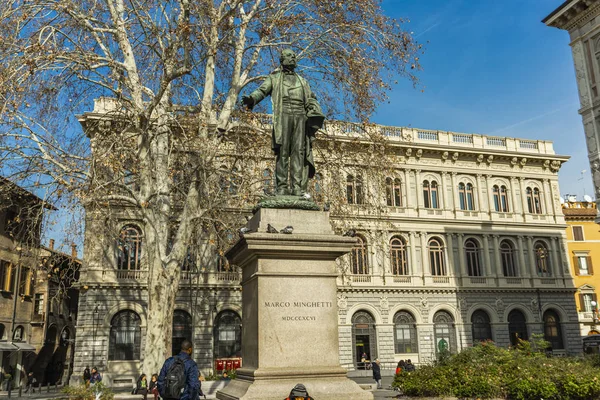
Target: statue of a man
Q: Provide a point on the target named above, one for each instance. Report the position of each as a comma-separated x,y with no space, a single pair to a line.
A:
296,118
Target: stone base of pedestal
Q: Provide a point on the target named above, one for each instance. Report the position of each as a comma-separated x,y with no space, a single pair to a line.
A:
289,309
276,384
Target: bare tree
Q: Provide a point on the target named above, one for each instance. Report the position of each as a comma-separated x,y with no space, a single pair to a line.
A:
173,71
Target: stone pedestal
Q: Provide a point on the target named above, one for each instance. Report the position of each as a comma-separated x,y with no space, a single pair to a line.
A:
289,303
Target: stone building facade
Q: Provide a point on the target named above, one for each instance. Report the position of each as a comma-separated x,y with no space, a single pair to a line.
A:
469,245
581,19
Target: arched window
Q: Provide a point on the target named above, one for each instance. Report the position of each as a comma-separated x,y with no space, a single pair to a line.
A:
517,327
534,205
359,261
445,335
228,335
364,338
393,192
398,257
51,333
354,189
436,257
496,196
182,330
465,196
503,199
267,181
125,336
480,326
189,262
507,255
542,259
19,334
430,195
129,248
472,253
552,331
405,333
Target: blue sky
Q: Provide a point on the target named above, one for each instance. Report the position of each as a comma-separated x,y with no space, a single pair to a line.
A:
492,67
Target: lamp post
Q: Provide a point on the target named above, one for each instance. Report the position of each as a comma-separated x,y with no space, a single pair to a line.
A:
594,312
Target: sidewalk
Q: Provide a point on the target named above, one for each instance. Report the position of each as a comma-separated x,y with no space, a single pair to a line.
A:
366,382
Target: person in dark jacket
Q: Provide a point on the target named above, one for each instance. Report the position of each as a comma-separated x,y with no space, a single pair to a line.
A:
377,372
410,367
141,386
95,376
86,376
192,384
299,392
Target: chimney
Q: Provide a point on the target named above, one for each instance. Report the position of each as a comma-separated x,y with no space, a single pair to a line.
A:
51,244
74,250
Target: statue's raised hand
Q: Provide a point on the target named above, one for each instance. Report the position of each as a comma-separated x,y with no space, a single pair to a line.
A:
248,102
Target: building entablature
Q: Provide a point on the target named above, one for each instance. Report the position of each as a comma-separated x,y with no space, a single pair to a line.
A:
572,13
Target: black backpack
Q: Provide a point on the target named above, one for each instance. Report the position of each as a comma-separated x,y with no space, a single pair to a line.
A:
175,379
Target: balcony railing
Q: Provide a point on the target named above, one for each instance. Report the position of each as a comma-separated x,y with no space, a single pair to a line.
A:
360,278
514,281
401,279
478,280
440,279
132,274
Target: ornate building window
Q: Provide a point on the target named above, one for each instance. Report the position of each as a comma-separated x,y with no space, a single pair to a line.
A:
507,255
430,194
359,261
364,338
542,259
7,276
354,189
517,327
534,204
19,334
552,331
472,253
465,196
444,333
405,333
437,261
129,248
125,336
393,192
228,335
398,257
480,326
500,198
182,330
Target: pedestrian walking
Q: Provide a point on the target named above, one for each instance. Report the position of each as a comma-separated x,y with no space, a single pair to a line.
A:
95,376
178,378
86,376
376,366
153,387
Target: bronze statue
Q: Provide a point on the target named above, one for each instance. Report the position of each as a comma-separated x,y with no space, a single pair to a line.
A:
296,118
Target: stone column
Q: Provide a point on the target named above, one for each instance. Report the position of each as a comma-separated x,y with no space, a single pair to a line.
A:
532,268
523,270
489,192
461,254
450,269
513,196
496,270
552,210
424,256
289,285
523,196
556,269
455,202
486,256
444,196
419,188
477,201
407,190
415,268
547,201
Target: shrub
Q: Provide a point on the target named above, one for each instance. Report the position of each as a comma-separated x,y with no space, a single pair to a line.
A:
521,373
97,391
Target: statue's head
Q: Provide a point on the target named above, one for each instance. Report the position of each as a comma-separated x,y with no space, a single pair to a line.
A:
288,59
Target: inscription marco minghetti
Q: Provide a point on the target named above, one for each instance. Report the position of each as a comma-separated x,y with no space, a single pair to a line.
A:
298,307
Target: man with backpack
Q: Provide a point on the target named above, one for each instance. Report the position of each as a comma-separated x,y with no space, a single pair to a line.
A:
178,378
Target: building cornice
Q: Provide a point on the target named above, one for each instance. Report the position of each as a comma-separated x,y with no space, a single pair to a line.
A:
572,13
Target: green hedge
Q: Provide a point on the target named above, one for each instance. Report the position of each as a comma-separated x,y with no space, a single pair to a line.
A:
487,371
